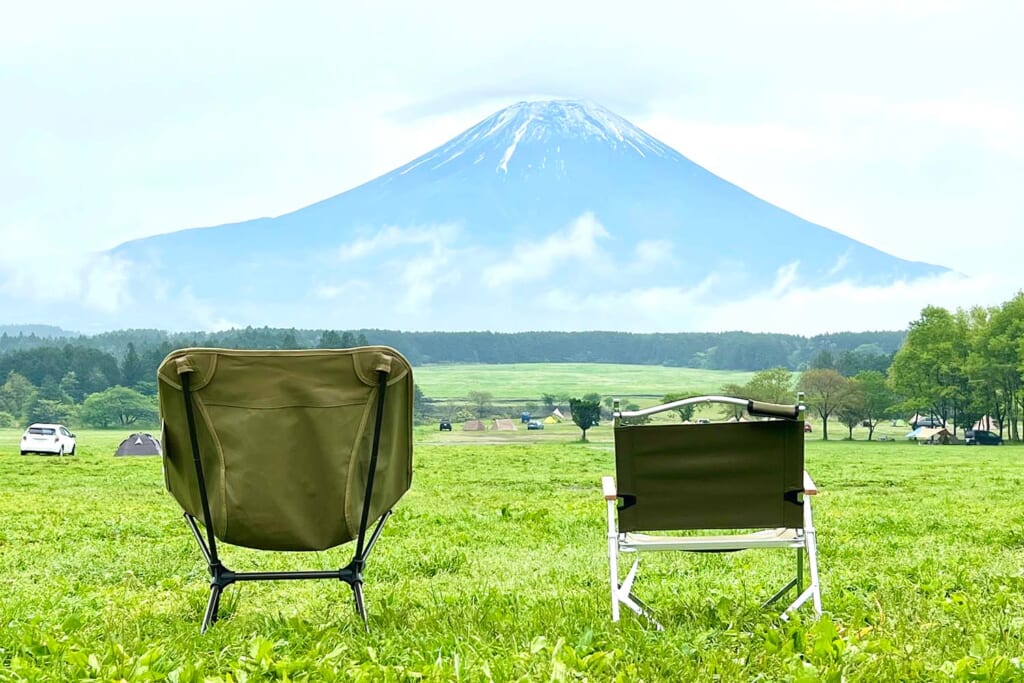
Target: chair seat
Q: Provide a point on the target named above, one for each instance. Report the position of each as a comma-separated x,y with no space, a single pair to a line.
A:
769,538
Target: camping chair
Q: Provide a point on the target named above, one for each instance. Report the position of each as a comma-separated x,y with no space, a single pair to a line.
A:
286,450
745,476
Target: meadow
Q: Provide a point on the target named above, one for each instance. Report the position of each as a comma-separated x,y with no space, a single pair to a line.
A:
494,568
529,381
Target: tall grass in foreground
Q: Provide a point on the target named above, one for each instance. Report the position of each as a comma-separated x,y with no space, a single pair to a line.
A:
493,568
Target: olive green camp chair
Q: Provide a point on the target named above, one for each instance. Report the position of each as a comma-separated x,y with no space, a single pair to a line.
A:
286,450
746,477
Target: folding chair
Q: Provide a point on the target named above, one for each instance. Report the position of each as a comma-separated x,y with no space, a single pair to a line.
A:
286,450
744,476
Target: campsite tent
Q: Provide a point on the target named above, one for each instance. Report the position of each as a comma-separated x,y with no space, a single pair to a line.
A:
504,425
932,435
139,444
986,424
557,414
550,420
474,426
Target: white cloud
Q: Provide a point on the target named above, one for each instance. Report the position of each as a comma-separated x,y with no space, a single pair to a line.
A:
784,308
424,275
577,242
840,263
652,252
391,237
40,272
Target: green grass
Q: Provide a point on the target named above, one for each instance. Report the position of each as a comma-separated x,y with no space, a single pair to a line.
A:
494,566
531,380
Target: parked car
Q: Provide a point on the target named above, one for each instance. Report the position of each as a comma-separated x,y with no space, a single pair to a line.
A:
534,424
48,438
445,426
980,437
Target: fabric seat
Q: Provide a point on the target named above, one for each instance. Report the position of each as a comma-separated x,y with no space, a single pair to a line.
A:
297,450
743,477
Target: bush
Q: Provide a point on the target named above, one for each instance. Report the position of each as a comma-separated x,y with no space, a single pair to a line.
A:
7,420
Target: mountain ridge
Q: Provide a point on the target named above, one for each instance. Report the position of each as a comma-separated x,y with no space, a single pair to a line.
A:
532,203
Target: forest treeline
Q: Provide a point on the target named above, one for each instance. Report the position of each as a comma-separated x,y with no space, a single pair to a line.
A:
956,366
709,350
109,379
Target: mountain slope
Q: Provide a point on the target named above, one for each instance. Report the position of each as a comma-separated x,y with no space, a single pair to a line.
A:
517,223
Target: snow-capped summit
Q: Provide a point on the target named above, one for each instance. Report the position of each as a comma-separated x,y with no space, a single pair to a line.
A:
516,223
538,131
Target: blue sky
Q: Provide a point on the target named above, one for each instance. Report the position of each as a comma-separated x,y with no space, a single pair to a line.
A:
900,124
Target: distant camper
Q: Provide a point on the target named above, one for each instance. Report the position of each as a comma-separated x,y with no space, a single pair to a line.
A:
139,444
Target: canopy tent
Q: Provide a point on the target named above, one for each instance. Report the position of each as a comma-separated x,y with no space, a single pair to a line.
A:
139,444
932,435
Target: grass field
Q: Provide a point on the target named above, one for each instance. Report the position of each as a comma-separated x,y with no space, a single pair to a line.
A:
530,381
493,568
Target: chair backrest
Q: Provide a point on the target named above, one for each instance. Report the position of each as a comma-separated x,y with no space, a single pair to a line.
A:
285,440
740,475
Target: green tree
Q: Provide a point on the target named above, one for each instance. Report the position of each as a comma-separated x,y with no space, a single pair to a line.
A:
118,406
49,410
684,412
772,386
131,367
823,360
69,387
878,398
481,400
737,391
330,339
823,389
289,341
17,394
930,369
419,401
585,414
850,409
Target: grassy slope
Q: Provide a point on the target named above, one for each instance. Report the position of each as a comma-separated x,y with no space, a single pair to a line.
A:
494,568
531,380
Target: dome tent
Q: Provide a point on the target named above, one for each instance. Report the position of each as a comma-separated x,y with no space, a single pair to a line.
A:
139,444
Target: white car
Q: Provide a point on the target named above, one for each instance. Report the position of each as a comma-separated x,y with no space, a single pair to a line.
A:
47,438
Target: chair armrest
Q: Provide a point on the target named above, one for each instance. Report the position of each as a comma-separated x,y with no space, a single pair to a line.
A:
608,487
809,488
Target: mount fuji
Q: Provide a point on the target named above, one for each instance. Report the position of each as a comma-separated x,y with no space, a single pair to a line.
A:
552,215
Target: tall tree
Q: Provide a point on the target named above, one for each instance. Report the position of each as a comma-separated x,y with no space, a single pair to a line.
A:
131,366
823,389
330,339
738,391
850,408
481,400
773,386
118,406
684,412
930,370
17,394
585,414
878,398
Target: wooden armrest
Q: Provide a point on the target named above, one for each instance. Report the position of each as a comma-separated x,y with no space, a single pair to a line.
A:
608,486
809,488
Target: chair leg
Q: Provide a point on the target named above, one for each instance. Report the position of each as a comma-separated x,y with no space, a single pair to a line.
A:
212,607
812,562
623,593
813,591
357,594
